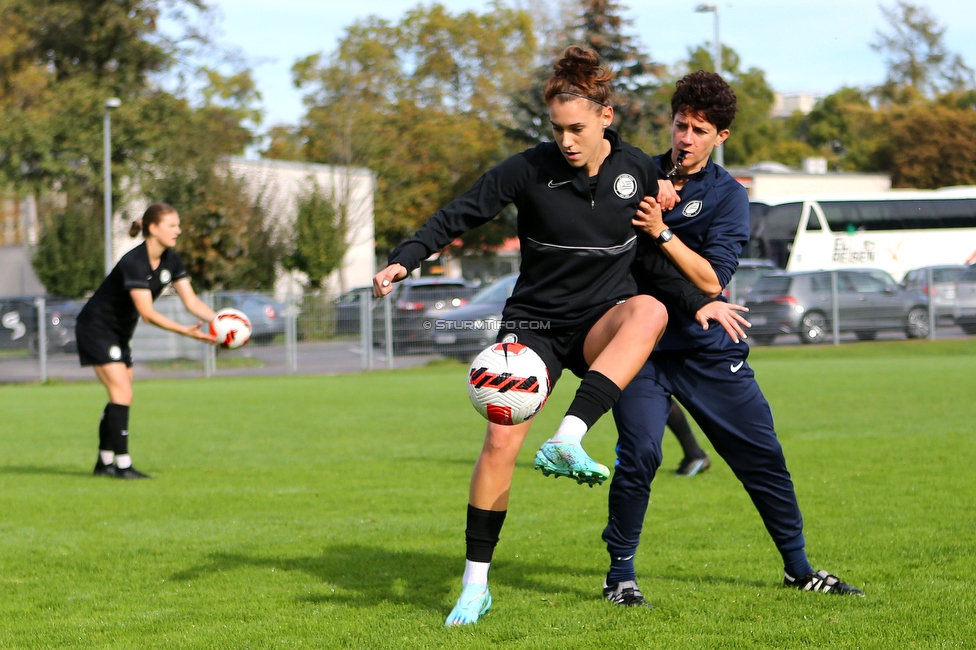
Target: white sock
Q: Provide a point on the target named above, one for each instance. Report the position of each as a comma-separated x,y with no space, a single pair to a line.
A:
475,573
106,456
572,429
123,461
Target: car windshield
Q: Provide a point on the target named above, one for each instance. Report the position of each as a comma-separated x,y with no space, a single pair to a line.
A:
969,275
500,291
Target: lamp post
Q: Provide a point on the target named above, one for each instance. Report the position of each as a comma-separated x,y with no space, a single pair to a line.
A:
713,9
113,102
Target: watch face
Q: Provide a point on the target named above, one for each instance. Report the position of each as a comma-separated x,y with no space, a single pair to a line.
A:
664,236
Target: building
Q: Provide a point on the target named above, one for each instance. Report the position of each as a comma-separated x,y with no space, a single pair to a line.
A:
18,233
768,179
785,104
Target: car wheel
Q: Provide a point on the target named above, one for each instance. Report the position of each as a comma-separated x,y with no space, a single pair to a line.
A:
968,328
917,324
762,339
813,327
868,335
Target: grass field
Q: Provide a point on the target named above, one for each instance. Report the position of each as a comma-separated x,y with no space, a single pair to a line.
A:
328,512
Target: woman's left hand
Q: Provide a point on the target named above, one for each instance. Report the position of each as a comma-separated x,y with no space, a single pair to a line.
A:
727,315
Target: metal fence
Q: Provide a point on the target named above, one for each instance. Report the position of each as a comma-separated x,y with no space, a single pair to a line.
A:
307,333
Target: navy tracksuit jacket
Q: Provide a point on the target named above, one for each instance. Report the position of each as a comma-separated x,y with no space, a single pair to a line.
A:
708,374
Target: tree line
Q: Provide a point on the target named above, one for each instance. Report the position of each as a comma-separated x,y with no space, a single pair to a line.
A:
427,102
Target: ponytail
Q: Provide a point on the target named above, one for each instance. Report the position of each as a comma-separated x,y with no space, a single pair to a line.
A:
135,228
154,213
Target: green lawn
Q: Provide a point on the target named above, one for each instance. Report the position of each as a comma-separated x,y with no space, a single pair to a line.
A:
328,512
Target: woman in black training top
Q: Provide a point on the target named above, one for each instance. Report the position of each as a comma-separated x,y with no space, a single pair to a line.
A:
575,303
107,322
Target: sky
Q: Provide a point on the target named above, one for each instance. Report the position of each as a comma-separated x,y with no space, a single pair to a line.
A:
811,46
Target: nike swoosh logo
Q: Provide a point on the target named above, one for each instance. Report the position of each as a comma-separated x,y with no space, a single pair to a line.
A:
736,366
555,185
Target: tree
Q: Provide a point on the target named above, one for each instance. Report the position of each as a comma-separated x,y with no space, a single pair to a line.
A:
928,146
915,53
319,240
67,233
419,102
641,112
227,241
60,60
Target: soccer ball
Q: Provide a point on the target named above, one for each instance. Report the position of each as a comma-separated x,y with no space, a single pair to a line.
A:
232,328
508,383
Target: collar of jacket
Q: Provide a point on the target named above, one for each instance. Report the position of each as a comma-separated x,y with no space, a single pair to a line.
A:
665,159
561,171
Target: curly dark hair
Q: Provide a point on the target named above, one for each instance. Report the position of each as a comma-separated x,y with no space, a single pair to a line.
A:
705,94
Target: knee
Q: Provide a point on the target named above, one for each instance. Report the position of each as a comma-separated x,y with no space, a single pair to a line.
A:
650,313
503,440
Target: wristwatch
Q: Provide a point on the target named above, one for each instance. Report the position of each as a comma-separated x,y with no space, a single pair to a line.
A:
664,237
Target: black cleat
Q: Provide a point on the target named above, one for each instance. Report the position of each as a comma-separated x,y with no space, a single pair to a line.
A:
130,472
693,466
101,469
625,594
823,582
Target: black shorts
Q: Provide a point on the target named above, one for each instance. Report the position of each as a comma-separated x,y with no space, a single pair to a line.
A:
98,346
559,348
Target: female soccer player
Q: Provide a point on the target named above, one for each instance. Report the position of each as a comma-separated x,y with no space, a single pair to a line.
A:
107,322
575,301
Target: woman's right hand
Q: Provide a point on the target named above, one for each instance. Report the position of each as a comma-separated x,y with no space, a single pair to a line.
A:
383,281
194,332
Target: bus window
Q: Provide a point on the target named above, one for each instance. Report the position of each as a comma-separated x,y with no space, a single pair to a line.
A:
773,229
858,216
813,223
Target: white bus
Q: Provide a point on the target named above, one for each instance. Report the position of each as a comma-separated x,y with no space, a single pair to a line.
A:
895,231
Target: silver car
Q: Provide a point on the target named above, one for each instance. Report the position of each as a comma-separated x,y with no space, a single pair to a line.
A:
965,308
800,302
943,289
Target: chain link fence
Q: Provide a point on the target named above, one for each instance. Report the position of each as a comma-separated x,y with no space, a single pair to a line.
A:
320,333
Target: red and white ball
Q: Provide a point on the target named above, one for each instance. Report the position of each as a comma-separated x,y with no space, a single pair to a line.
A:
508,383
232,328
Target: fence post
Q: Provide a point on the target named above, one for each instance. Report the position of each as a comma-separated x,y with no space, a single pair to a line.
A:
733,292
388,330
834,307
41,305
366,329
291,330
932,320
209,351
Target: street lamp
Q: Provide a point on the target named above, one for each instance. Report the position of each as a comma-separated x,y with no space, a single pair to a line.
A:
713,9
113,102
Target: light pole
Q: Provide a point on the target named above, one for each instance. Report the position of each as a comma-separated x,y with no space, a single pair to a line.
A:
713,9
113,102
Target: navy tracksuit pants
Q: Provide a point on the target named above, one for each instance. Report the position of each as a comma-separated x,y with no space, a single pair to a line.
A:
719,390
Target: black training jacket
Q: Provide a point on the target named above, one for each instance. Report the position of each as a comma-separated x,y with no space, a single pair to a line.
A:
577,240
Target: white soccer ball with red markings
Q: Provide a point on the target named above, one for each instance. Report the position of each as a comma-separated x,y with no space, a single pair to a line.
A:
508,383
232,328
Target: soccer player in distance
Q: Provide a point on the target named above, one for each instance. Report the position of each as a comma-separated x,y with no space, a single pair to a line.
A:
575,301
707,372
108,320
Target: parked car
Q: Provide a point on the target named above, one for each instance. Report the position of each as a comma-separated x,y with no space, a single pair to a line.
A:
745,277
417,303
347,310
965,308
943,289
464,332
19,330
266,314
800,302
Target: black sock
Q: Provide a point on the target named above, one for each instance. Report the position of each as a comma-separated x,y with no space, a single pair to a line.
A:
116,423
104,433
481,534
595,396
678,424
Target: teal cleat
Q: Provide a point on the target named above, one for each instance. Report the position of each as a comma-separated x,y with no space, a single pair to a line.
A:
475,601
569,459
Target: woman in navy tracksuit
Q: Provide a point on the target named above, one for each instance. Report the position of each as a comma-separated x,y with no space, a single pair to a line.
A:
705,370
575,301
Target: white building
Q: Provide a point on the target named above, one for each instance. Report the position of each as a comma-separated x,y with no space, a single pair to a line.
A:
280,184
785,104
767,179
